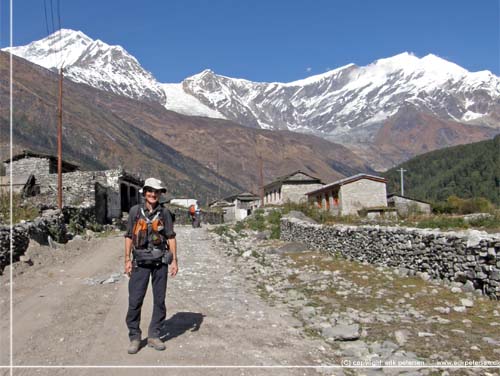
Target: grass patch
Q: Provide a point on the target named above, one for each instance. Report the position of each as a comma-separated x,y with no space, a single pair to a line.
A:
437,221
311,211
20,209
450,222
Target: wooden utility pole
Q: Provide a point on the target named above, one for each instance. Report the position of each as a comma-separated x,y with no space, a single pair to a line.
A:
218,177
402,181
59,144
261,173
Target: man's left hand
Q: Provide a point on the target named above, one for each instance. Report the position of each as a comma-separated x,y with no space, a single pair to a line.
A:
174,268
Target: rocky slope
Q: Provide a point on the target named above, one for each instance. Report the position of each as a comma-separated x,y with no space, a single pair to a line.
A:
106,130
366,314
93,136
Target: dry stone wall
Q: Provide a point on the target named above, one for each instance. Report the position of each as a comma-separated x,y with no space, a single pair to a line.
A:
472,258
52,223
20,244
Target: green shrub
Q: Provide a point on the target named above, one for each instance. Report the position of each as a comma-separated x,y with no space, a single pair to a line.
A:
239,226
221,230
57,232
457,205
275,232
256,221
274,219
75,227
94,226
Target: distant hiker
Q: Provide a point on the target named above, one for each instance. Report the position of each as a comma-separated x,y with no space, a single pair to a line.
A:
150,239
194,212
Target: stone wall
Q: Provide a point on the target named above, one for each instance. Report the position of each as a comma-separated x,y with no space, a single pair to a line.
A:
78,187
87,189
20,244
471,257
52,223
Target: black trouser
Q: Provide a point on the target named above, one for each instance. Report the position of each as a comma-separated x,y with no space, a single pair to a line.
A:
137,287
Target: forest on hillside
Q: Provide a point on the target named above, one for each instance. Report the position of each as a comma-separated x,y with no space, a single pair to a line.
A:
466,171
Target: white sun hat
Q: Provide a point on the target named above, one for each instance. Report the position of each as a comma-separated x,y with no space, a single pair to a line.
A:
153,183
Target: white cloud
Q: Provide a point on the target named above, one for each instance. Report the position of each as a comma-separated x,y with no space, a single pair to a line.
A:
308,69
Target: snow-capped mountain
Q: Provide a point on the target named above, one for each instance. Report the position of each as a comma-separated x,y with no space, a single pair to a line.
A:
352,97
347,103
94,63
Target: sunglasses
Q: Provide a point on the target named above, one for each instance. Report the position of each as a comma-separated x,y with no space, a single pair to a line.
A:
151,190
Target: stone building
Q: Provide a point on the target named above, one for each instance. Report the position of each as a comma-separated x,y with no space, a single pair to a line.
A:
350,195
290,188
238,206
109,192
406,205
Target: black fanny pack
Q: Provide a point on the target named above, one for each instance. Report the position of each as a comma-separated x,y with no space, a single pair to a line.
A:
152,256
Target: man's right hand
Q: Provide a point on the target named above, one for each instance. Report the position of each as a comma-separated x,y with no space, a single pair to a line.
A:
128,267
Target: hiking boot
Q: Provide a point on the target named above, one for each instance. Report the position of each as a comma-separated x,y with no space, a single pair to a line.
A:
156,343
133,348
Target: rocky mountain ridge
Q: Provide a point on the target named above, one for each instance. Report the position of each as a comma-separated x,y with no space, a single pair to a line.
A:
352,105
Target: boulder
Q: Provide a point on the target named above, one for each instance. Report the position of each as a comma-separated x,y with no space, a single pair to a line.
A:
341,332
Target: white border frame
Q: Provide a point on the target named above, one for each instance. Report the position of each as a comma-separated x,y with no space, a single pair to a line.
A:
11,366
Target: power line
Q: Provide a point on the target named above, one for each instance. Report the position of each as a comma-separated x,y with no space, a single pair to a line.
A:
59,14
46,19
52,15
60,33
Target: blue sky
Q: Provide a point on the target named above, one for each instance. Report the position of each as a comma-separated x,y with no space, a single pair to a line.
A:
273,40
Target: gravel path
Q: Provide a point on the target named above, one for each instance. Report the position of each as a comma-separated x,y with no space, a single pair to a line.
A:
69,310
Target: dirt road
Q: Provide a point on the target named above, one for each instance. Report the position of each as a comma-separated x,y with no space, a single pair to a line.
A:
69,310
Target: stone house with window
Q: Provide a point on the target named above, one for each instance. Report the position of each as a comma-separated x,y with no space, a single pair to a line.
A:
109,192
290,188
238,206
350,195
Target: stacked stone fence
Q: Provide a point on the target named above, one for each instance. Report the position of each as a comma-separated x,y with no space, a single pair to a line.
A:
472,257
52,223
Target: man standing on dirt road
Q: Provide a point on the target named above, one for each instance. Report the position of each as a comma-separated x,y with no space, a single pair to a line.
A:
150,238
